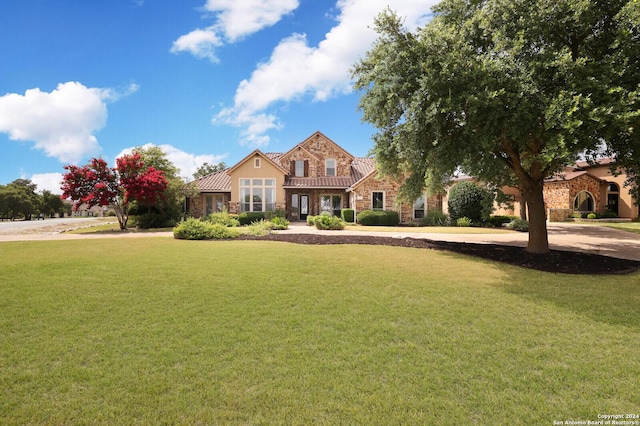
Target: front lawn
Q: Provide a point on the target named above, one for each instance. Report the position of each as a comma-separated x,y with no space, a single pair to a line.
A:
156,330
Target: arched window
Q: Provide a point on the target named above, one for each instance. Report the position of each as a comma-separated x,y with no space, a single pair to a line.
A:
583,202
613,187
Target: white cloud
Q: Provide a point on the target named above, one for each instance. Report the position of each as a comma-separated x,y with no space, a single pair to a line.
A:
61,123
200,43
321,71
48,181
234,20
238,18
186,162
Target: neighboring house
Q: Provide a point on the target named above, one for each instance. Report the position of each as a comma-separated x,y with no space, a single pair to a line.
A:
314,176
582,188
588,188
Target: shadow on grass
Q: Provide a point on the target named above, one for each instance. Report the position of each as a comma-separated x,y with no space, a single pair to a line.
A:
612,300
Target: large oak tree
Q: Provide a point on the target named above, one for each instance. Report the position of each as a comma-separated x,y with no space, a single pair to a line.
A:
509,91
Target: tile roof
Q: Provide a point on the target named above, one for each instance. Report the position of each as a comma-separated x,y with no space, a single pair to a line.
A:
565,176
360,169
215,182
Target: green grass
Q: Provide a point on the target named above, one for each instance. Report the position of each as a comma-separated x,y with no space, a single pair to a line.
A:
155,330
625,226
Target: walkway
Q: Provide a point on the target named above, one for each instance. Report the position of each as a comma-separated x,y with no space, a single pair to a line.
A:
562,236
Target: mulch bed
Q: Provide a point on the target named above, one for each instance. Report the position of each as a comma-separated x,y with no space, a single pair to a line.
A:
565,262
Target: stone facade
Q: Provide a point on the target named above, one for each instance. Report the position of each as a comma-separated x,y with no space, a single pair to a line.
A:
560,194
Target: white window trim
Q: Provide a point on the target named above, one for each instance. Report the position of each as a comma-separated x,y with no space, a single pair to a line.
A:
384,200
335,167
263,187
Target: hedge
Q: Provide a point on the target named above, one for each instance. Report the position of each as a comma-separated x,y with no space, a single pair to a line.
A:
378,218
247,218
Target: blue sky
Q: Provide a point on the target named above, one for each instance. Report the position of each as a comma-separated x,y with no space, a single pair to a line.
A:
206,80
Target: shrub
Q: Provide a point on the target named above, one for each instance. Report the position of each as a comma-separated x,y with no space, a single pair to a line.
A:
222,232
466,199
499,220
609,214
259,228
378,218
328,222
348,215
576,215
463,222
434,218
311,220
275,213
247,218
223,218
152,220
591,216
279,223
195,229
519,225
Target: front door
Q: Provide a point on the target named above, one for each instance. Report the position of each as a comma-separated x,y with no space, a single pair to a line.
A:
304,207
612,202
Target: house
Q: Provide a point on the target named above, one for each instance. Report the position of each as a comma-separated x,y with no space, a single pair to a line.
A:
316,175
583,188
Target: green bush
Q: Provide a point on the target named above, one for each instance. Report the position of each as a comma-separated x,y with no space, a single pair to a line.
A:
466,199
434,218
591,216
499,220
328,222
223,218
279,223
378,218
311,220
151,220
275,213
259,228
195,229
348,215
609,214
247,218
519,225
463,222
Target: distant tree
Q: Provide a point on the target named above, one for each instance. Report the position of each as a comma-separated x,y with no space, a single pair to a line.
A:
206,169
97,184
51,204
169,209
19,199
503,90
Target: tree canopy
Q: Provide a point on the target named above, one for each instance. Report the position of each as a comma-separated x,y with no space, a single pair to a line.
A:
97,184
508,91
206,169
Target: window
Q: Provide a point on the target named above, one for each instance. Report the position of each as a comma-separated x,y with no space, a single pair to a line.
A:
331,204
257,195
583,202
212,207
256,163
294,203
209,205
330,167
299,168
377,200
418,208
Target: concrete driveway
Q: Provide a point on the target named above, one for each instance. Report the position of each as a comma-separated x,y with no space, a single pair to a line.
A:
562,236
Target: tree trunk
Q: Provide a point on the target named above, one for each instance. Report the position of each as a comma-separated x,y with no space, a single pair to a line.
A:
538,238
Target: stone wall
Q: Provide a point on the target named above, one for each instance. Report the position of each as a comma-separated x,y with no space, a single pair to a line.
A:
561,194
324,149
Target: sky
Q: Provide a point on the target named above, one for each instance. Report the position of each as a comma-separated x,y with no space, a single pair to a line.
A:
205,80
